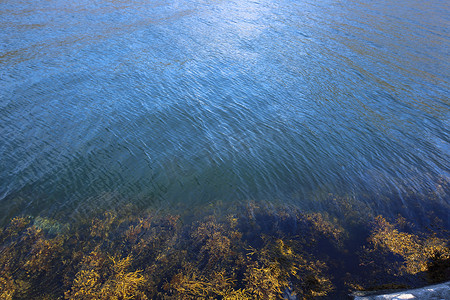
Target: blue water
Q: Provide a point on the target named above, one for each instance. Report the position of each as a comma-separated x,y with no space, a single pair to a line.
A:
161,102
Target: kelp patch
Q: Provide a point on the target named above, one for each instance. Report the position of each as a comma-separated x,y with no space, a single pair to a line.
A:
248,253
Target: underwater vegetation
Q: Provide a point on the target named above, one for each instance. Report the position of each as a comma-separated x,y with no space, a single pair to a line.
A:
251,252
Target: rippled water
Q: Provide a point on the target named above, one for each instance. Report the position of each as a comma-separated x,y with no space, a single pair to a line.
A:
160,102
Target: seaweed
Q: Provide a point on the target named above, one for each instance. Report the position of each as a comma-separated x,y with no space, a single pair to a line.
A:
250,252
416,251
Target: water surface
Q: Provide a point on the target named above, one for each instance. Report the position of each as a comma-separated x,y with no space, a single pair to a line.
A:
162,102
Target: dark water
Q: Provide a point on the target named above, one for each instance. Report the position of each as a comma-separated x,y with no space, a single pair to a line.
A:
160,102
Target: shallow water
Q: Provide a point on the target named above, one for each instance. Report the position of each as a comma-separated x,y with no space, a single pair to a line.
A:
157,103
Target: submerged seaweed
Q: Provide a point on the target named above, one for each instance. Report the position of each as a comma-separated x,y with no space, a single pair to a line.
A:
249,253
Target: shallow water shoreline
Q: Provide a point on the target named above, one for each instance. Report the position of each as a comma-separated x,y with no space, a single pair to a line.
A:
220,252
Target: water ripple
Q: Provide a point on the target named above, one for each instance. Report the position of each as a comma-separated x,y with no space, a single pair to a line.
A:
105,101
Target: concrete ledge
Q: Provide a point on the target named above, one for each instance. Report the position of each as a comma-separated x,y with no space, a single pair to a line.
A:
432,292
